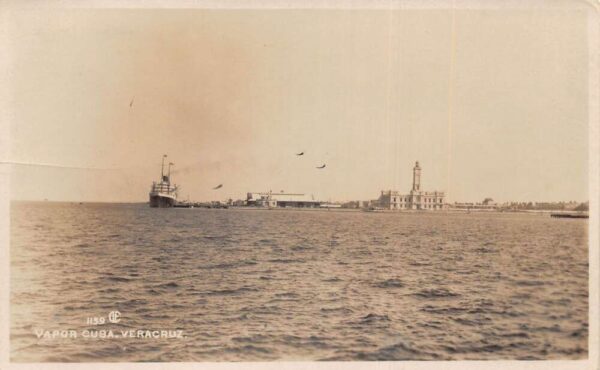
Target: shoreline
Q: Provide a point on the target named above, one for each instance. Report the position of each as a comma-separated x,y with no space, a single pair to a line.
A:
389,211
323,209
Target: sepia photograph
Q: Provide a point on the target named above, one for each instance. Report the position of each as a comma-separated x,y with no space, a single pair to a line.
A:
300,182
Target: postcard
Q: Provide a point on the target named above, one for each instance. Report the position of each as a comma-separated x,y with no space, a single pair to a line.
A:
299,184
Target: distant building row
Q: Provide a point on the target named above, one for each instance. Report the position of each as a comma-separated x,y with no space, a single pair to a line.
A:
390,199
285,200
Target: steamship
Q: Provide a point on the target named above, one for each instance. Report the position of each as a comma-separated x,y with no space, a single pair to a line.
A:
163,194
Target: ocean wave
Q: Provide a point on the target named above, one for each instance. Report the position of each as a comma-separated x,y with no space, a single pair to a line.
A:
374,318
169,285
286,260
249,349
230,265
117,279
337,310
436,293
390,283
401,351
231,291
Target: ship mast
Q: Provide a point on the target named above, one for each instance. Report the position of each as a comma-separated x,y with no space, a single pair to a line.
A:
169,172
162,168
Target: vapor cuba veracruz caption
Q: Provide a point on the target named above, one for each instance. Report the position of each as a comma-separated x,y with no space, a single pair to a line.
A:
106,334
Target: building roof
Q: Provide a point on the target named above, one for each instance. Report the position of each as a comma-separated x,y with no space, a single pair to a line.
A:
283,197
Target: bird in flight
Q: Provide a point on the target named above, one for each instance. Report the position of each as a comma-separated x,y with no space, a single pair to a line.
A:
131,103
301,153
321,167
218,187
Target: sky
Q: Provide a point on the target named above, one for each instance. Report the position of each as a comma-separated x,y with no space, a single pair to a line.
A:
492,103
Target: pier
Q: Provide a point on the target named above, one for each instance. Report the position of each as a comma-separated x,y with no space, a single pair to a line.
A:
569,215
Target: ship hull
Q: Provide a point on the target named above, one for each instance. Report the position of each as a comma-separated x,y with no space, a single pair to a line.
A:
162,201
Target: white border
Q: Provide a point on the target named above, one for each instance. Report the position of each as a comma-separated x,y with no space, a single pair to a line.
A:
593,186
594,175
304,4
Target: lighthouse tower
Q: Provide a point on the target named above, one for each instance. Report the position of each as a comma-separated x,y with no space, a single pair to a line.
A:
416,177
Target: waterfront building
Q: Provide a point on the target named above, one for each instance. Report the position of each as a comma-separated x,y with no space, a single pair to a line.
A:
417,199
282,199
330,205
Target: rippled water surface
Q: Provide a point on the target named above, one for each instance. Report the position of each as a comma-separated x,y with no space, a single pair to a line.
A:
254,285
